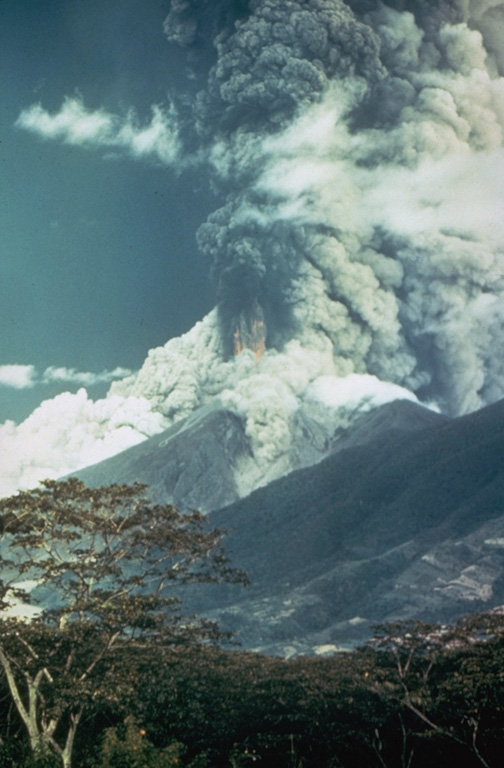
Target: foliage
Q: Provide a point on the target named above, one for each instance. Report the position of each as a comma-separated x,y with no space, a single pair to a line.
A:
238,708
42,758
132,749
446,682
417,696
93,572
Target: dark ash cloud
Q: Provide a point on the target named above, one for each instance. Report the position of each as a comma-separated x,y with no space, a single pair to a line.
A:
399,85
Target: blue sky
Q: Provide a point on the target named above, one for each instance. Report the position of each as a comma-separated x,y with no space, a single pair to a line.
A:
98,259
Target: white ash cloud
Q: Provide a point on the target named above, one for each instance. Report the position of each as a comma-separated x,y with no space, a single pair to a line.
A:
71,431
190,371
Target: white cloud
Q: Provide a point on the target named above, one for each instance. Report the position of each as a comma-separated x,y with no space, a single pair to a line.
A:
159,137
74,124
68,432
85,378
77,125
18,376
27,376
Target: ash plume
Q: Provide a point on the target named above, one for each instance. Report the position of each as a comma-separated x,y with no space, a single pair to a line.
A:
359,148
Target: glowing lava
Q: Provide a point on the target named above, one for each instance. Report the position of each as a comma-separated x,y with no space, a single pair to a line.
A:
250,331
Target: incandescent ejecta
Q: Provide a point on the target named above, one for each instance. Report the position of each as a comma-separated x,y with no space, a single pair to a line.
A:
357,246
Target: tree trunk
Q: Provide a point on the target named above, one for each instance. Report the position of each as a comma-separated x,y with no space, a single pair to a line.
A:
28,716
40,738
66,755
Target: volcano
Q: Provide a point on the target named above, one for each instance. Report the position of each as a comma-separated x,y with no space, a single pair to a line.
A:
400,517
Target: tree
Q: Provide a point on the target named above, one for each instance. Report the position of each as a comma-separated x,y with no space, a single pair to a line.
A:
88,581
448,677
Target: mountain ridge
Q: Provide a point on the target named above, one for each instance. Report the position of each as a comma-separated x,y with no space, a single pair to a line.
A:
393,528
402,516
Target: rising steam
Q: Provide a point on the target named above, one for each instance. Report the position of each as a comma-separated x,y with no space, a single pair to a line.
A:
357,149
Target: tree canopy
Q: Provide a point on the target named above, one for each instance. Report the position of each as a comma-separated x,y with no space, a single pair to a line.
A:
89,579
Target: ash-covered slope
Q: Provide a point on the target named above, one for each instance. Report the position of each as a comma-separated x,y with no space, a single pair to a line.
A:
191,465
406,524
201,461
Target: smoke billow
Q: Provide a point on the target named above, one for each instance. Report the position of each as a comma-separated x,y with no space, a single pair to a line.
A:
360,150
271,65
358,250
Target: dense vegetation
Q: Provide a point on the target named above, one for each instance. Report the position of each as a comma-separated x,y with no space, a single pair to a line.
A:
417,695
109,673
